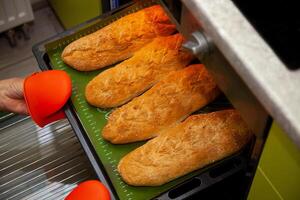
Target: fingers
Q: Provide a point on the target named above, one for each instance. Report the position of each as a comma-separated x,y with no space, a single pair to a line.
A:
21,108
16,106
11,96
12,88
15,89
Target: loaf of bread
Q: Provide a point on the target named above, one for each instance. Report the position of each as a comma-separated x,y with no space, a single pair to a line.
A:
119,40
198,141
167,103
119,84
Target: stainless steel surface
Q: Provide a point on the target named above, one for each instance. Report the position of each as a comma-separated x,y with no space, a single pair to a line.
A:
4,117
40,163
226,77
253,60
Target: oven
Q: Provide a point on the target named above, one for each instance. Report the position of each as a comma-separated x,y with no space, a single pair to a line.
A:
251,73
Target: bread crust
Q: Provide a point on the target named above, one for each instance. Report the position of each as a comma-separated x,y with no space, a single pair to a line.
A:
118,85
118,40
164,105
198,141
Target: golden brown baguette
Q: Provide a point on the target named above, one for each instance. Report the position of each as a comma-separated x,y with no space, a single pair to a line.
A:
119,40
198,141
119,84
166,104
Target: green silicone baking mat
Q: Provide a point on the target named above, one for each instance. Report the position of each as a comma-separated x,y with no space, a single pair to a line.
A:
93,119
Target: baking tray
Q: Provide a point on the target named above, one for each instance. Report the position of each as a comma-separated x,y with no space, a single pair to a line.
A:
88,121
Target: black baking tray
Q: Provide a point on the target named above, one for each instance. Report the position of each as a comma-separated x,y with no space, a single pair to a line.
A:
203,179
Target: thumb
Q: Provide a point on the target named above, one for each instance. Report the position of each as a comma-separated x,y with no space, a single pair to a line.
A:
20,107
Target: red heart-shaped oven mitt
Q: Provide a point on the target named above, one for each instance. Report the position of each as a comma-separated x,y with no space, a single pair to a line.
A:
89,190
45,94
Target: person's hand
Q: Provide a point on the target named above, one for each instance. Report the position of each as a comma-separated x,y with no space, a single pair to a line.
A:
12,97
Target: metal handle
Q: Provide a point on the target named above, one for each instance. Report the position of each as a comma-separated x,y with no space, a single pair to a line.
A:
197,44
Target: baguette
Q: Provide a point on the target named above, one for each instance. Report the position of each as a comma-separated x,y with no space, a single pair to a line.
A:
120,84
166,104
198,141
118,40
